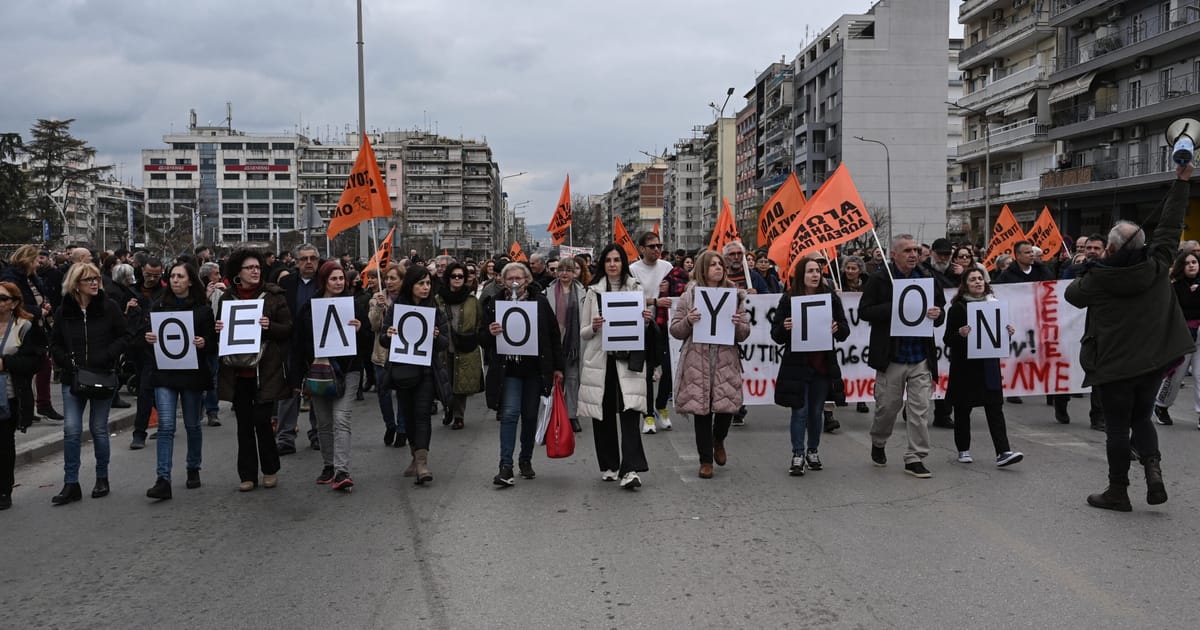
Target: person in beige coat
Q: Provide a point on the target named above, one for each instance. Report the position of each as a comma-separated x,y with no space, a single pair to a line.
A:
708,378
612,389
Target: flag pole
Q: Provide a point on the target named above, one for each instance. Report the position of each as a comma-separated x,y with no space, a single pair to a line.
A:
362,132
836,274
885,254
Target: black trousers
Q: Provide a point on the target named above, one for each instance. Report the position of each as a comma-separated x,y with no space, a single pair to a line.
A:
995,421
8,451
711,428
1095,413
256,439
623,454
1128,407
660,352
145,399
416,405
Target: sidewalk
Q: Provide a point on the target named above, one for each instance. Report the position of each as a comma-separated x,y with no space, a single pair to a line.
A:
45,437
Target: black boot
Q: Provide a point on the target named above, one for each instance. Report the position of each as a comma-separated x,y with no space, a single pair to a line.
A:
1156,490
70,493
100,489
1114,497
830,424
161,490
193,479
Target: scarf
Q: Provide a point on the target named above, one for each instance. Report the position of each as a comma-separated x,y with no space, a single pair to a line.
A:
454,297
570,340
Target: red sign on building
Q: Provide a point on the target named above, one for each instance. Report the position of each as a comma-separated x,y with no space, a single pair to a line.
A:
170,167
256,168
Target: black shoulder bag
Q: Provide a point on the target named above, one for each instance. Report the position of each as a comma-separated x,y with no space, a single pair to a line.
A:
90,383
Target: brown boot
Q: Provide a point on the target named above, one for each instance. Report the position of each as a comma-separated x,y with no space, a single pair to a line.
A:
411,471
1156,490
1114,497
422,460
719,453
705,470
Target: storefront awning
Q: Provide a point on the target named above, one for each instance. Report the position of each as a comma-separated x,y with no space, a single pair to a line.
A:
1075,87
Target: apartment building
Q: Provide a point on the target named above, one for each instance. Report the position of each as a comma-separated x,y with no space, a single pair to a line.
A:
120,214
746,202
719,165
637,195
684,216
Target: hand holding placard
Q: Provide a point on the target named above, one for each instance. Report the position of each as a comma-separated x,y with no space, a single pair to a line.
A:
333,336
174,348
413,341
624,323
988,335
717,308
812,323
911,303
518,328
241,328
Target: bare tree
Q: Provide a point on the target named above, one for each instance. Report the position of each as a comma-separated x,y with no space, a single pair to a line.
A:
61,170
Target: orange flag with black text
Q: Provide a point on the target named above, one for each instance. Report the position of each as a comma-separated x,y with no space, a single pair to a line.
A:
562,215
363,197
1045,235
621,237
780,210
516,254
835,214
1005,233
381,259
725,230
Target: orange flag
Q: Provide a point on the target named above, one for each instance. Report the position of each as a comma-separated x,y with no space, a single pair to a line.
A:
562,215
364,196
780,210
656,227
621,237
381,259
1005,233
834,215
516,254
725,230
1045,234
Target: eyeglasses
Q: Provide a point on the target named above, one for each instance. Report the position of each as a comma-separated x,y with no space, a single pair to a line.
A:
962,255
307,259
90,279
8,298
457,276
251,268
653,246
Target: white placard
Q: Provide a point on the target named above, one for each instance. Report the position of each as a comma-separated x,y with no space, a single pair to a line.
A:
242,333
812,323
333,336
988,338
717,308
624,326
174,349
910,301
518,323
413,341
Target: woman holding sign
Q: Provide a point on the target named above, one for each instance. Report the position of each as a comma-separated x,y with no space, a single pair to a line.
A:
254,381
807,378
462,359
416,383
975,382
708,379
612,389
167,342
389,404
565,296
331,401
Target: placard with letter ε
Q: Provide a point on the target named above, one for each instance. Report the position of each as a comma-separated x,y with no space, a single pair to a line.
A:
241,333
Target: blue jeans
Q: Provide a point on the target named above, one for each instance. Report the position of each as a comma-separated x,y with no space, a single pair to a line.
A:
212,404
393,413
73,432
808,420
165,399
519,399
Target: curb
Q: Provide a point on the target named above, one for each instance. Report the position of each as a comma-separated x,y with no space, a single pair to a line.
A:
33,451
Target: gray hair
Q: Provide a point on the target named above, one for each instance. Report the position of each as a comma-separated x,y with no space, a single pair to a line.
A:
901,237
123,274
305,247
1003,260
536,258
732,245
1189,246
516,265
206,270
1126,233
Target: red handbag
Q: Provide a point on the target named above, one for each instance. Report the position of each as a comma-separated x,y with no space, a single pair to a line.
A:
560,438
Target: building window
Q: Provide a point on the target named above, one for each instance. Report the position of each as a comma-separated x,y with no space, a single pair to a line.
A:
231,146
284,193
1135,94
285,224
158,160
232,193
184,146
158,193
232,161
285,208
232,208
283,162
258,208
231,223
283,146
257,146
256,177
183,175
160,208
183,160
158,175
258,193
1164,82
233,176
283,177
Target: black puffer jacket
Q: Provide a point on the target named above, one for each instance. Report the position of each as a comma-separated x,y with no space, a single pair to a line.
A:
203,321
795,369
95,338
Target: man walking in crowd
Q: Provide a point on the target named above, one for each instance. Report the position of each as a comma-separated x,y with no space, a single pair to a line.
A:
946,275
299,288
1134,330
735,270
541,273
1092,246
651,272
905,367
148,289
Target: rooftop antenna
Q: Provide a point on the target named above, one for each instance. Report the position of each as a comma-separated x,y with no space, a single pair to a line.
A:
229,116
192,118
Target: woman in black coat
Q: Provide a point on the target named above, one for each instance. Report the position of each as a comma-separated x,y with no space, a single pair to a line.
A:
89,331
185,292
806,379
975,382
22,350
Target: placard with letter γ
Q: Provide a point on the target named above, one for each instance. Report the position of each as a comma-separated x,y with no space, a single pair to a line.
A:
241,333
413,341
518,323
624,325
174,350
812,323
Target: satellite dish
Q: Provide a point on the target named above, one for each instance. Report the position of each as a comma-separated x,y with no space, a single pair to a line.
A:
1181,135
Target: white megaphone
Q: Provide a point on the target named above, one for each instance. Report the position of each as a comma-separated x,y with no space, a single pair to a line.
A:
1181,136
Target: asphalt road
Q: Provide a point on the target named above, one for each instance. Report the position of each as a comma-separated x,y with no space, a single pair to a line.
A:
852,546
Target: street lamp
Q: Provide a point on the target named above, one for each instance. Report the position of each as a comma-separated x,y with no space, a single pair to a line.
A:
987,168
888,155
720,180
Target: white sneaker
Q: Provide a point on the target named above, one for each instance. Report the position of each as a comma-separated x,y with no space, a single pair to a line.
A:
608,475
664,419
631,481
648,425
964,457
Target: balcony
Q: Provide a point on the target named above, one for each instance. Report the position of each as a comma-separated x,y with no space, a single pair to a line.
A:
1107,174
972,8
1005,137
777,106
1004,35
1158,100
1148,36
1004,81
1009,188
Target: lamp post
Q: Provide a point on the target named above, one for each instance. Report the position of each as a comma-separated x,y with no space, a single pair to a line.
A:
720,180
987,168
507,218
888,156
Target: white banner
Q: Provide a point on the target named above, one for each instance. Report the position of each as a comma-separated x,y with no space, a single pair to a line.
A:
518,321
413,341
624,326
241,334
333,336
565,251
174,350
1043,355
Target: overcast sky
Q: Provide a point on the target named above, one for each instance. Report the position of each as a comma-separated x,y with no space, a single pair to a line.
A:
554,87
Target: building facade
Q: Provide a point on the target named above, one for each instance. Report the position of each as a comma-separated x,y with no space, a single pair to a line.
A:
683,187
